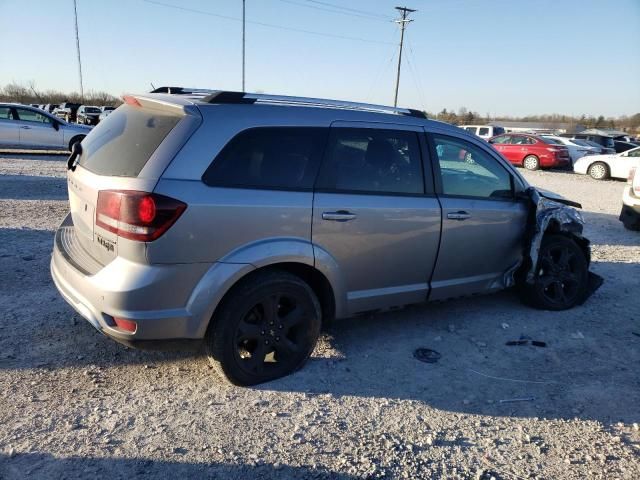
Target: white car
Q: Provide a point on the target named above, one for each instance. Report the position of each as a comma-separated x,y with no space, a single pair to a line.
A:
600,167
105,111
576,151
483,131
630,214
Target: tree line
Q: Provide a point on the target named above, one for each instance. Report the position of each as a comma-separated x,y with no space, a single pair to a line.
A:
15,92
465,117
26,94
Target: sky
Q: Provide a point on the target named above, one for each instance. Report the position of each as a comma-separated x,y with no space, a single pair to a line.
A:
497,57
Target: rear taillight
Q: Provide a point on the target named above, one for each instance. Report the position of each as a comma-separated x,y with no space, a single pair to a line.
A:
137,215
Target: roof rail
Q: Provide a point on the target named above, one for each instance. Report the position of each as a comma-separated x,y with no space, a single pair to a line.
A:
229,97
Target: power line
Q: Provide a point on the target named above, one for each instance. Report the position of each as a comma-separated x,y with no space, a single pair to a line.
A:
340,12
403,23
354,10
75,11
263,24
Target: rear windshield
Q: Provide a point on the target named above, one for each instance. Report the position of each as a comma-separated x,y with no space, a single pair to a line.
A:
122,143
551,141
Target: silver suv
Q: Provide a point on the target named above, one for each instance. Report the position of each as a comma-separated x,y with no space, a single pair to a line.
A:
248,220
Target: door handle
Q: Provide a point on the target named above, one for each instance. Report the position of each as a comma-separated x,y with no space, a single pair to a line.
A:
458,215
339,216
26,127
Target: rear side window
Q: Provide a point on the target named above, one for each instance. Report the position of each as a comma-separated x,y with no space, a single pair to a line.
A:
5,113
367,160
122,143
270,157
483,131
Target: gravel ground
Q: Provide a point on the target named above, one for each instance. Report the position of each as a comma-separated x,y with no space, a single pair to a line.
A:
74,404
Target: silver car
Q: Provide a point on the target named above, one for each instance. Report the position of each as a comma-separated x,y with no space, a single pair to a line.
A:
248,220
24,126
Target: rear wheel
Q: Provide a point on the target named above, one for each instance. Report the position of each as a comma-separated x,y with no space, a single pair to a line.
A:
531,162
561,276
265,328
599,171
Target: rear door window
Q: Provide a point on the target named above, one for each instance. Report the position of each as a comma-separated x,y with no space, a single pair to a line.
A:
369,160
5,113
122,144
284,158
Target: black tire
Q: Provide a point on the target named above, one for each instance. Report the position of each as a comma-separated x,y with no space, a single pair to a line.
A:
74,140
531,162
599,171
273,317
561,277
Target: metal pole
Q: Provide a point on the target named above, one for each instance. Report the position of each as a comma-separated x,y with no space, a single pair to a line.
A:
403,22
243,41
75,11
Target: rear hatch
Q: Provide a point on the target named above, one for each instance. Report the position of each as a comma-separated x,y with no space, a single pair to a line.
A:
126,152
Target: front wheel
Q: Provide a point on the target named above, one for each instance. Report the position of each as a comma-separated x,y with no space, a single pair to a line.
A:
531,162
599,171
561,276
265,328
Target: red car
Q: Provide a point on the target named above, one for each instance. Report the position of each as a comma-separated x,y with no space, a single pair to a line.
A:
530,151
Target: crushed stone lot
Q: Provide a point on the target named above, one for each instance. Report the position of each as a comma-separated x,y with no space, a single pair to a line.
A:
74,404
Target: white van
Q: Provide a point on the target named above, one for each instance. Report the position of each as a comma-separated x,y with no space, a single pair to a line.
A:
483,131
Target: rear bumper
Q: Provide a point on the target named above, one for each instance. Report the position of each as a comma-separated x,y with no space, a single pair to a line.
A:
167,302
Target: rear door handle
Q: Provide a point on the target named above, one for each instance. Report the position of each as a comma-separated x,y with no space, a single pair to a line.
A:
458,215
339,216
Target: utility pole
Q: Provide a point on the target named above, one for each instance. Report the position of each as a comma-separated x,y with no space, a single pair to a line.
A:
75,11
243,41
403,23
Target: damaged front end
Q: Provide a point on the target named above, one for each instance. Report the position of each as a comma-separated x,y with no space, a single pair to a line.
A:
552,214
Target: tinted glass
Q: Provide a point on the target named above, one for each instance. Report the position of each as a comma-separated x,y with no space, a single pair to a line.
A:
123,142
483,131
372,161
502,139
468,171
5,113
551,141
31,116
278,157
91,110
470,129
498,130
634,153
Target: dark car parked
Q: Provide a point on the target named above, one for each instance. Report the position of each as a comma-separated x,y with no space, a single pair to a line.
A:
530,151
604,140
621,146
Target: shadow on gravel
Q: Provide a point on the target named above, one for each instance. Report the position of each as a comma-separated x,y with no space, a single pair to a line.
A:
587,368
31,187
45,466
46,156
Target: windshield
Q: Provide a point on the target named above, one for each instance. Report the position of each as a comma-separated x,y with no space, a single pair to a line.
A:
92,109
123,142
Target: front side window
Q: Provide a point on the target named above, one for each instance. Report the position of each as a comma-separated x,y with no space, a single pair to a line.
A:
469,171
634,153
371,160
269,157
31,116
